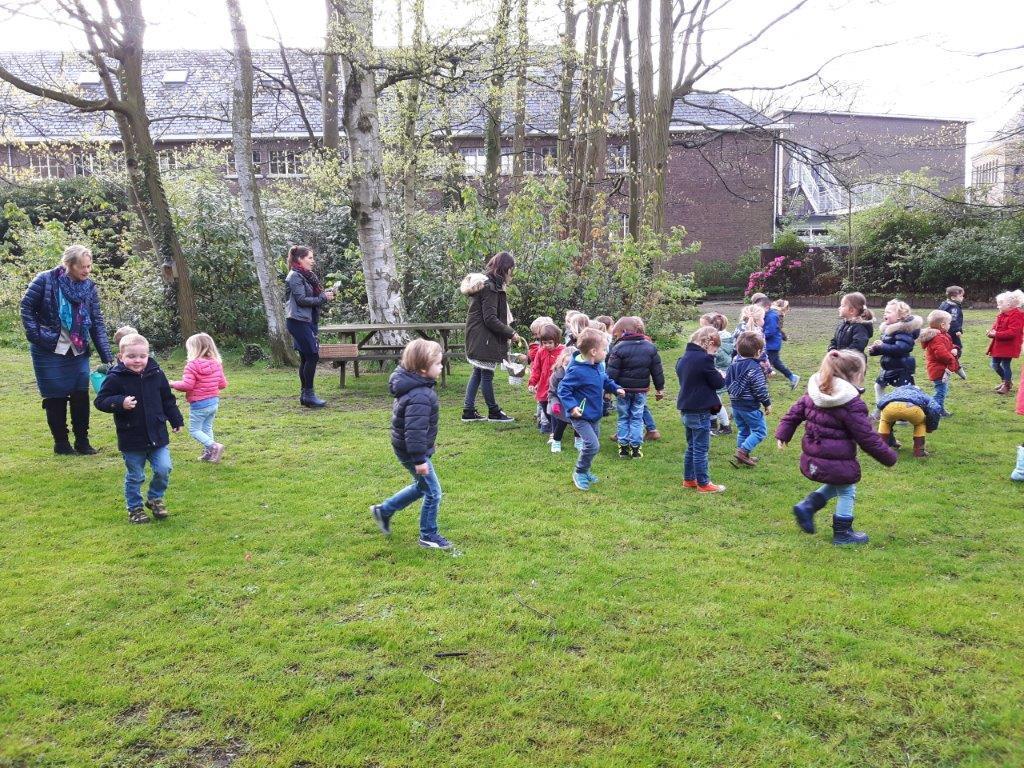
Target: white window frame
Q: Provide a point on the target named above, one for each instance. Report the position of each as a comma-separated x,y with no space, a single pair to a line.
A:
618,160
288,163
474,160
167,160
45,166
84,164
229,163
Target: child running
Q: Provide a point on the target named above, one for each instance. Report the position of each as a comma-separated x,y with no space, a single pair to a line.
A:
837,422
954,304
748,391
413,435
699,382
940,356
581,392
856,324
634,363
772,330
720,424
137,392
559,416
909,403
1006,333
899,331
202,382
550,349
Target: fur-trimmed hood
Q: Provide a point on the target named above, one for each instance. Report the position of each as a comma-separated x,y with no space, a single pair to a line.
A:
843,393
927,335
910,325
473,283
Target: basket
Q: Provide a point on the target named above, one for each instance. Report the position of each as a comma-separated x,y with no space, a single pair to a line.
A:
97,377
339,350
516,370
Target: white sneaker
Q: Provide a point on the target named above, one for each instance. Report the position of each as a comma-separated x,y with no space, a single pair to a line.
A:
556,446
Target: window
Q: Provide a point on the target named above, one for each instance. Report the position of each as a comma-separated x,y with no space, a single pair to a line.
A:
272,77
229,163
474,160
547,160
89,78
285,162
175,77
168,160
986,173
85,164
618,159
44,166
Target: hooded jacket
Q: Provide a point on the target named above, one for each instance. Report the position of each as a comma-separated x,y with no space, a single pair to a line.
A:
487,329
634,362
956,314
772,331
896,347
1009,328
40,315
835,425
144,427
202,379
413,415
938,353
748,390
699,381
540,370
852,334
583,386
913,395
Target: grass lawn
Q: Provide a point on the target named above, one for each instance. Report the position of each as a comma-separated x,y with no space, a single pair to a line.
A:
268,623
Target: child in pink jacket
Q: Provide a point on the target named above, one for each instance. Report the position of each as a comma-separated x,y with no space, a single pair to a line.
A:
202,382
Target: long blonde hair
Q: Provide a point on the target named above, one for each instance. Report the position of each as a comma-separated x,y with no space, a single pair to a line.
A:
202,346
842,364
754,313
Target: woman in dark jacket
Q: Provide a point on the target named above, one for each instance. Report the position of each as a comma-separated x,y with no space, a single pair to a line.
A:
61,313
305,295
488,332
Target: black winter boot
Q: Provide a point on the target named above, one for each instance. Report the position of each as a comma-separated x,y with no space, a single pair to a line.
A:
80,423
57,419
310,400
804,510
891,441
843,533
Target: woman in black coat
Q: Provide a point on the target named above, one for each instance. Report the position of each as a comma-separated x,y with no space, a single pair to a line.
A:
61,313
488,332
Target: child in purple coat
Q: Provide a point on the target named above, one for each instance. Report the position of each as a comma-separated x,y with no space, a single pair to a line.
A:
837,422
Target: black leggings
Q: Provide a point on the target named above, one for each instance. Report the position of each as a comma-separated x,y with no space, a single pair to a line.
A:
307,369
481,378
559,430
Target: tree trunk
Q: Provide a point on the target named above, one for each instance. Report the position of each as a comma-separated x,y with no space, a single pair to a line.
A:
579,199
646,118
369,208
519,124
568,61
495,99
329,97
633,135
241,135
411,107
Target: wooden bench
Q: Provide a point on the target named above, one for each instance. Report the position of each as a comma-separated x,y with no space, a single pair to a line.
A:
340,355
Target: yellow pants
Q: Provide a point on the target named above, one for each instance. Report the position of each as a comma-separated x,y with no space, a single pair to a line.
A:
898,411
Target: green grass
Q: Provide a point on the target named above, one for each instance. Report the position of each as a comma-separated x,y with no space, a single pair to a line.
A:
267,623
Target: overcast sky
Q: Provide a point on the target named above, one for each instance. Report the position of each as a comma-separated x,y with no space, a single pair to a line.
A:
928,66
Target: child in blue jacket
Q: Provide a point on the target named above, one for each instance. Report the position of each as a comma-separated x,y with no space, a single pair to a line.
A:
748,391
773,338
913,405
581,392
699,382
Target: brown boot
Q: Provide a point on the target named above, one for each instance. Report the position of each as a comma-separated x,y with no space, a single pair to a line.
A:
1008,387
1002,388
652,434
743,457
919,451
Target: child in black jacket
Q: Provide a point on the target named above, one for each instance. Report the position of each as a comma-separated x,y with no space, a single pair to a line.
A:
413,434
137,392
699,382
634,363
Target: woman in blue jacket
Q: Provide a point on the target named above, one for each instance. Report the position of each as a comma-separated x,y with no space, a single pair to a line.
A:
61,314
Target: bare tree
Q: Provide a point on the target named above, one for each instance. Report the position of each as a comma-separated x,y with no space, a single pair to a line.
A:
494,103
519,118
115,47
329,97
248,191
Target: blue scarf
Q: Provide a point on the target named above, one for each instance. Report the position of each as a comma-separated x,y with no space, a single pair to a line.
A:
72,306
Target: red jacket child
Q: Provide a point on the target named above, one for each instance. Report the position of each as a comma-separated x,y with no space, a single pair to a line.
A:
938,353
1009,333
540,371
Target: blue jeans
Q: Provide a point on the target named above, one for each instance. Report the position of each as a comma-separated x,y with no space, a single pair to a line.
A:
649,424
751,428
1001,365
630,429
775,358
200,420
135,474
590,434
698,443
426,487
845,495
481,378
941,388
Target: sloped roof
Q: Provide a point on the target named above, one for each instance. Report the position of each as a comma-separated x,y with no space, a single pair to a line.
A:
201,106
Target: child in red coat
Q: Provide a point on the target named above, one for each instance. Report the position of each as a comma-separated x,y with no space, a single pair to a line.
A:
1007,333
544,359
939,354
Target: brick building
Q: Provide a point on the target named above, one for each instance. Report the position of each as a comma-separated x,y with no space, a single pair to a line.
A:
834,162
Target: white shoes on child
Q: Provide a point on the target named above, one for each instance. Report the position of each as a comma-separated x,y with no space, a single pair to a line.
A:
556,445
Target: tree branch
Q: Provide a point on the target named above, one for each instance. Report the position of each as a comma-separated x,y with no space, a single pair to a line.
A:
86,105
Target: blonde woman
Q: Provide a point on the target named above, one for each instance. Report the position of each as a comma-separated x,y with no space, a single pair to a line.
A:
61,314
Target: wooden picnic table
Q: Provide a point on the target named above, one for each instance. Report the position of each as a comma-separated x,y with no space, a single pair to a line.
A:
361,334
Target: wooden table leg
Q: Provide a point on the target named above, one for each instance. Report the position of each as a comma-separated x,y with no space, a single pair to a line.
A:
342,369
